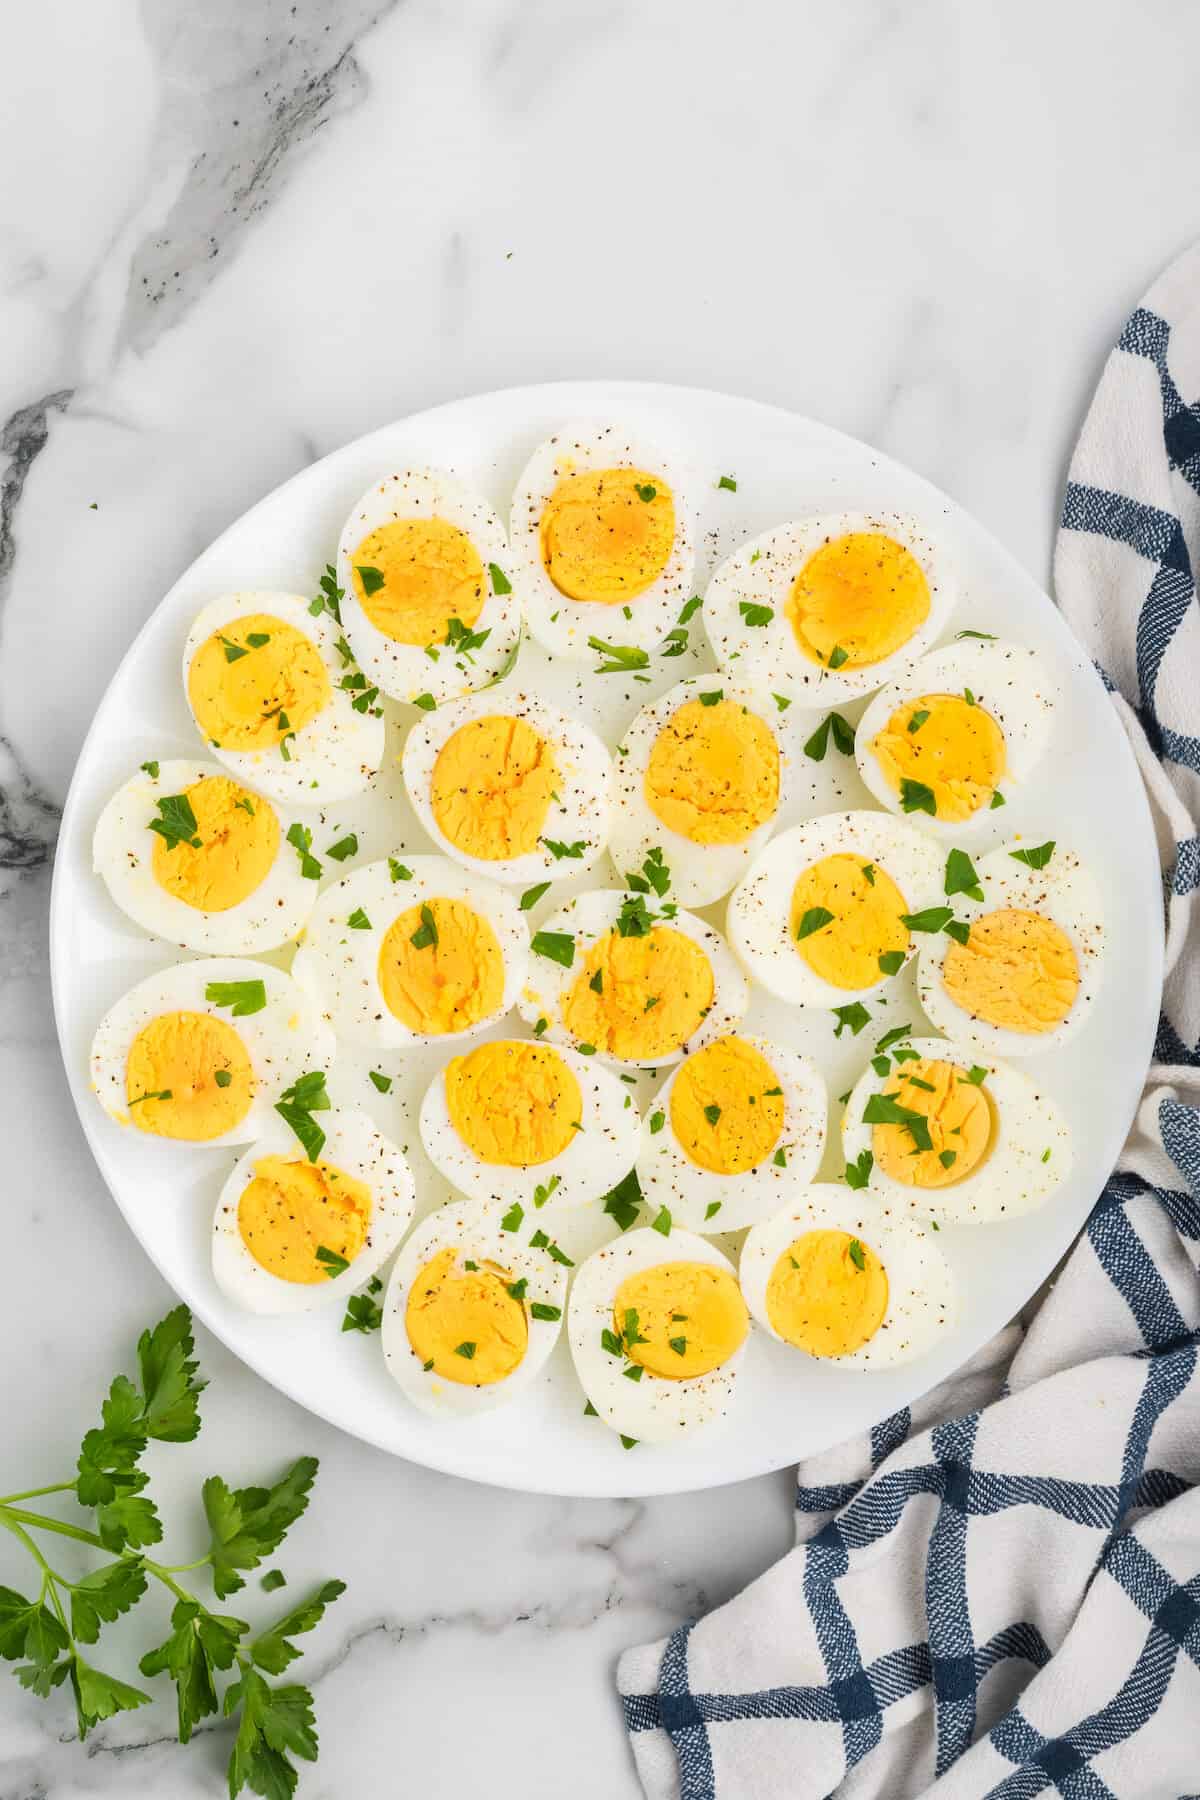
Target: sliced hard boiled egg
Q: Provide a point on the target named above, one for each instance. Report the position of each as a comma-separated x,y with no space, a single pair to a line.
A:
529,1122
510,786
473,1309
632,978
1025,976
835,906
732,1131
950,1139
412,948
602,529
190,854
828,609
204,1050
842,1278
952,737
268,684
292,1232
429,607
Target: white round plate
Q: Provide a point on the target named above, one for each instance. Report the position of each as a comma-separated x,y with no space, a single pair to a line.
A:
1088,794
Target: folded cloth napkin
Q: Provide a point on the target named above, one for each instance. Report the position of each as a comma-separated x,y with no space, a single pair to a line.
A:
999,1593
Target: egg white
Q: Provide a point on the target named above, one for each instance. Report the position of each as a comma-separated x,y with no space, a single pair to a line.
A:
922,1303
762,573
562,625
759,917
701,873
1064,892
581,813
670,1178
338,965
1006,680
122,855
588,917
595,1159
283,1040
652,1409
338,751
406,671
1011,1180
475,1229
352,1144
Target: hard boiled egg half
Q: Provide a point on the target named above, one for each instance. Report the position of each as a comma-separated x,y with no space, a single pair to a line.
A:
658,1329
828,609
529,1122
193,856
412,948
272,688
510,786
937,1134
630,977
294,1231
731,1132
602,532
203,1051
950,739
840,1277
474,1307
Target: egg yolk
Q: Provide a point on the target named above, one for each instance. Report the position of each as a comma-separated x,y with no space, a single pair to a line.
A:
464,1323
292,1209
846,914
950,745
413,576
238,836
451,977
958,1115
682,1319
492,785
640,997
856,600
256,681
727,1107
513,1103
1017,970
828,1293
713,773
188,1075
607,535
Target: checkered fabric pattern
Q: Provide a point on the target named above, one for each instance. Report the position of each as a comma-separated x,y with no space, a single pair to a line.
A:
999,1593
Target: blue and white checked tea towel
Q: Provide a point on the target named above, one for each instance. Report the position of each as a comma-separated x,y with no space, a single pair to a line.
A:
999,1593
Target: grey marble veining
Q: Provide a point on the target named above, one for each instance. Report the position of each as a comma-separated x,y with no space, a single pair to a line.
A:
233,236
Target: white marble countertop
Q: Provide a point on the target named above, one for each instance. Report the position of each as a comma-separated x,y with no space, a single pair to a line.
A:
233,236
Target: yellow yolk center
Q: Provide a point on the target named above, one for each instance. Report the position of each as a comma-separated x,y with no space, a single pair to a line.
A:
958,1115
680,1319
726,1107
713,773
857,599
291,1209
493,782
464,1322
188,1075
436,987
607,535
640,997
255,681
828,1293
513,1103
849,918
239,840
1017,970
950,745
414,575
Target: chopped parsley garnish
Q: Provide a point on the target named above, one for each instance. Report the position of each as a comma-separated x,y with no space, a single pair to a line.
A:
916,797
961,876
987,637
729,483
426,934
885,1109
223,1078
512,1218
996,800
330,597
755,615
331,1262
815,919
918,719
176,822
675,642
543,1191
372,579
622,658
232,651
426,702
540,1027
854,1016
711,1210
1036,858
300,838
383,1083
837,656
621,1203
358,920
363,1313
151,769
689,607
780,1159
465,1349
781,701
462,641
518,1289
858,1173
531,896
868,872
947,1158
560,850
843,737
894,1036
934,918
297,1105
891,962
854,1251
555,946
977,1075
712,1114
256,639
500,582
713,698
635,918
539,1310
162,1094
958,929
597,982
655,875
678,1345
397,870
646,491
657,1121
242,997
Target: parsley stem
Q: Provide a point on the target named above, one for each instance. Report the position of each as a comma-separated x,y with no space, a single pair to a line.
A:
201,1562
50,1577
10,1515
57,1487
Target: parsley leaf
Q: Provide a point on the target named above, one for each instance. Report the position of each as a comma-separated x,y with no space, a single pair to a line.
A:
855,1016
961,876
622,658
815,919
246,1524
531,896
1035,858
916,797
754,615
176,823
426,934
300,838
621,1202
555,946
242,997
296,1106
858,1173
